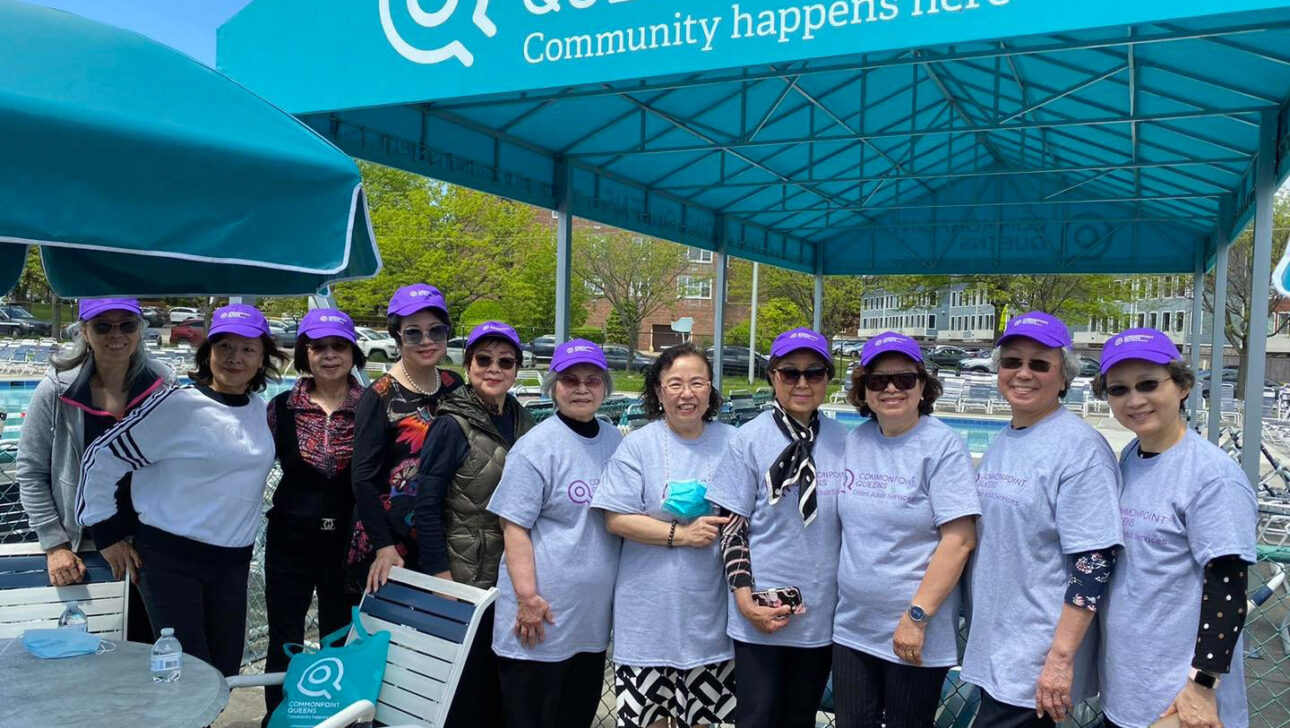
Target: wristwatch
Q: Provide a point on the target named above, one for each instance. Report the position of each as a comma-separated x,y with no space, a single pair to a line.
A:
916,614
1204,679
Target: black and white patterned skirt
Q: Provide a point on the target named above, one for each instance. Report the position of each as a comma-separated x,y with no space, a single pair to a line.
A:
704,695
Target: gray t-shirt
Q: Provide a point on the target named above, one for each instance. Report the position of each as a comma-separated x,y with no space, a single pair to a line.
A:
669,604
1181,509
547,485
1046,491
903,490
783,551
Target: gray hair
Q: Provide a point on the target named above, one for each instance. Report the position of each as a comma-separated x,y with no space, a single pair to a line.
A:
1070,365
548,383
79,351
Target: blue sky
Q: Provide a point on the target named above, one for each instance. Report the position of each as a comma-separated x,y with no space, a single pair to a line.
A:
188,25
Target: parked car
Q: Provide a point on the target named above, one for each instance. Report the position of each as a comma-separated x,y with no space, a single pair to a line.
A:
377,345
946,357
1230,376
192,331
977,364
456,353
150,335
847,347
284,336
1089,367
29,325
616,358
734,361
180,314
155,316
544,347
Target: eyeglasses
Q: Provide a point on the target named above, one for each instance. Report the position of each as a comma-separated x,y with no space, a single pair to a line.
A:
814,375
322,347
1146,386
904,381
103,328
1038,366
413,336
484,361
676,386
573,382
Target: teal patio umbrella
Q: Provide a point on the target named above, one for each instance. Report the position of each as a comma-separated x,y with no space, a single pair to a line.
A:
140,171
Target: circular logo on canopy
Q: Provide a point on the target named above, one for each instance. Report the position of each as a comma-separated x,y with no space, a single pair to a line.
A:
454,49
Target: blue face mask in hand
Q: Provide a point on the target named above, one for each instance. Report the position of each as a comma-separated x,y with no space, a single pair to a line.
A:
54,643
686,499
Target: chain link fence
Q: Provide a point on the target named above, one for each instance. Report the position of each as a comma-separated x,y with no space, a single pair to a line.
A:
1267,630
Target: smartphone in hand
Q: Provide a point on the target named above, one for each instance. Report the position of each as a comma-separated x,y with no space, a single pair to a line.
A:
784,596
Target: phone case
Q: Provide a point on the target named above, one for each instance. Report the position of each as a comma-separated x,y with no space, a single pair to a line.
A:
784,596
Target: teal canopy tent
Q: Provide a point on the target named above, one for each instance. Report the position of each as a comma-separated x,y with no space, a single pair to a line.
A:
825,136
140,171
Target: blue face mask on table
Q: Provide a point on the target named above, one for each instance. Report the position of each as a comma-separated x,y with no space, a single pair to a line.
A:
686,499
55,643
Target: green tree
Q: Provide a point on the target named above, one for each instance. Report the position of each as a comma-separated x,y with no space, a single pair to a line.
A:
636,275
527,297
842,295
773,316
32,285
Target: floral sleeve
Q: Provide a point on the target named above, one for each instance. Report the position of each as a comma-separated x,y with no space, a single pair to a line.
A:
1089,573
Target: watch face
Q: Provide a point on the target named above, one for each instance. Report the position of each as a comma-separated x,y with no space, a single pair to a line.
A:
917,614
1205,680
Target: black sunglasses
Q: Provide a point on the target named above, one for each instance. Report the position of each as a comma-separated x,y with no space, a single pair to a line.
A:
323,347
1035,365
413,336
103,328
904,381
814,375
1146,386
484,361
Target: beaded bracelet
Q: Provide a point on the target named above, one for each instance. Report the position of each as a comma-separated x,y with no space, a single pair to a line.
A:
671,534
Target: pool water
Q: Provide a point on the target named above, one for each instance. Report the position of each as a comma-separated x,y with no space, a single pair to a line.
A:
978,433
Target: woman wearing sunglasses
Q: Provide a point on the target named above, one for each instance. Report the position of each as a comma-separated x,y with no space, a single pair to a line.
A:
390,426
1189,520
779,483
461,465
1046,540
104,376
308,525
911,494
672,657
557,574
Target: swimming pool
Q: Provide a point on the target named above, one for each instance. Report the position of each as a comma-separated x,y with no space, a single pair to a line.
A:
978,433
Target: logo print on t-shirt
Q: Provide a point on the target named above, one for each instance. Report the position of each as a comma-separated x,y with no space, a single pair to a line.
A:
580,492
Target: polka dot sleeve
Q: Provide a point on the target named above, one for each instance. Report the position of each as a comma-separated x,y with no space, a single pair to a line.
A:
1222,614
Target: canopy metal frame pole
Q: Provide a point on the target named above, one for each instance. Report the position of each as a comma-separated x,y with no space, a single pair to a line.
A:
720,263
563,254
1197,318
818,321
752,326
1256,347
1219,338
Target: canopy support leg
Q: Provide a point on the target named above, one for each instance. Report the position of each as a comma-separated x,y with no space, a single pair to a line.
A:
818,321
1256,347
1219,340
720,265
1194,334
752,327
563,255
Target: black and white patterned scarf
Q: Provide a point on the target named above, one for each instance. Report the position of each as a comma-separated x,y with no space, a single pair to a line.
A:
795,465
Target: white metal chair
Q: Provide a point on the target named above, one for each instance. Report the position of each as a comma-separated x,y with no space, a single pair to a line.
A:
27,601
431,622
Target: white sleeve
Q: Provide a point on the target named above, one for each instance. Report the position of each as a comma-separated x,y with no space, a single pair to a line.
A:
133,443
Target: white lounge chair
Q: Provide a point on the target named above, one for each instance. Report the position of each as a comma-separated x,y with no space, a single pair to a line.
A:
27,601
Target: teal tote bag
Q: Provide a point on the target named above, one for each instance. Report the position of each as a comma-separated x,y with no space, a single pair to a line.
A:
320,684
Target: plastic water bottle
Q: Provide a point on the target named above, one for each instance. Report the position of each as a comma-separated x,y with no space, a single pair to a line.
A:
73,618
167,657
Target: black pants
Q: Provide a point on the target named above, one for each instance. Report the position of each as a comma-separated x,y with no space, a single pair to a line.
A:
478,701
870,692
204,602
552,694
993,714
297,561
779,687
138,628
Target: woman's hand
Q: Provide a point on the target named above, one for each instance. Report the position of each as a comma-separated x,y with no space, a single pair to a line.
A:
767,620
379,573
64,566
533,611
1053,692
123,559
1196,706
701,533
907,643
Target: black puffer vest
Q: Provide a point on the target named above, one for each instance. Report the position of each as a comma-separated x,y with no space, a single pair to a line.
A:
474,535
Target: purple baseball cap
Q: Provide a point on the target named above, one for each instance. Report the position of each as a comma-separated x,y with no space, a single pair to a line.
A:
889,342
577,351
410,299
91,307
494,328
800,338
323,322
1147,344
240,319
1038,326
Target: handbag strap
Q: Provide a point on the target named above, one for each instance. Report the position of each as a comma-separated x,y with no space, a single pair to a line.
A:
294,648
